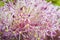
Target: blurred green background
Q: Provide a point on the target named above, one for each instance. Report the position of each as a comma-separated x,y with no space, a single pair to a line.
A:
54,2
3,3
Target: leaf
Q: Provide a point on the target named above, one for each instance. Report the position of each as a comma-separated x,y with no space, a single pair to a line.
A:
48,0
0,0
9,0
2,3
54,2
58,3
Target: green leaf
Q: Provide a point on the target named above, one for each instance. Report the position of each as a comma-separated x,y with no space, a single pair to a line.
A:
0,0
1,3
48,0
54,2
58,3
9,0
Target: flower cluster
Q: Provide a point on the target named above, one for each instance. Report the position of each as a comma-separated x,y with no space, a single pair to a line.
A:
29,20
